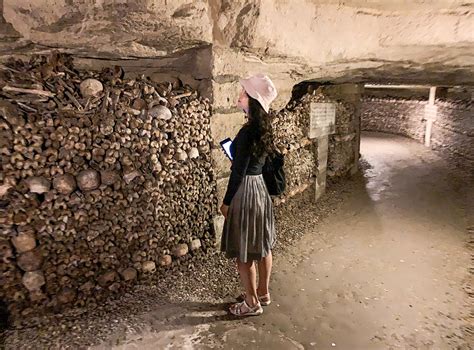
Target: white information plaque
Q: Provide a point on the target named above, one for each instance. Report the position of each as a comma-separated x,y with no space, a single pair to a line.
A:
322,119
430,112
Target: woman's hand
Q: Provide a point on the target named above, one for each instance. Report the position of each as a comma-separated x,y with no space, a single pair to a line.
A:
224,210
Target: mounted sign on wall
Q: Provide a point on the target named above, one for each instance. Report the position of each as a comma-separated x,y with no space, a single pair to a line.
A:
322,119
431,112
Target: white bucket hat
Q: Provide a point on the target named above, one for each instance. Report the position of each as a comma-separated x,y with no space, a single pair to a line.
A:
261,88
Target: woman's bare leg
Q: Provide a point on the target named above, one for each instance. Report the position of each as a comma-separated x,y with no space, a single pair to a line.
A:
248,277
264,271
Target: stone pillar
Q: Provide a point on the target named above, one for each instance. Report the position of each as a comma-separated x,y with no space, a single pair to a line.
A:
432,95
322,123
430,115
226,120
356,98
349,93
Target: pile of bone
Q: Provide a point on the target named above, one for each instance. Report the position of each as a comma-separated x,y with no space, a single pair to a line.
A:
103,180
291,125
300,167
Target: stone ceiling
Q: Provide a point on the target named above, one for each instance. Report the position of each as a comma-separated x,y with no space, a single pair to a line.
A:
295,40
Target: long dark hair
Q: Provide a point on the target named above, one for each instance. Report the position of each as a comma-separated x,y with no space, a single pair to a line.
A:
260,123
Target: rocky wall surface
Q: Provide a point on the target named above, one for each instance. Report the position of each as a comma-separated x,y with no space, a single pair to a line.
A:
344,144
300,169
291,128
397,116
104,181
290,132
452,130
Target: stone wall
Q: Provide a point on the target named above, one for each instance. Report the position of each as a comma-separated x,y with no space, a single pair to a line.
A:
344,144
397,116
291,127
452,131
104,181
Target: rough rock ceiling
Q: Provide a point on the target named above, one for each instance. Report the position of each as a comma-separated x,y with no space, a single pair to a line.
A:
327,40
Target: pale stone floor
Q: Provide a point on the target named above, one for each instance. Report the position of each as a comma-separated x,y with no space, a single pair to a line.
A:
385,271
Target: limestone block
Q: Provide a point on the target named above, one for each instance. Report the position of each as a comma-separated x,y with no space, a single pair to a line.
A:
222,164
221,189
218,223
228,62
350,91
320,185
226,94
225,125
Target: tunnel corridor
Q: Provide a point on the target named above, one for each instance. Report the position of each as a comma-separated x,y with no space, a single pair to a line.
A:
112,175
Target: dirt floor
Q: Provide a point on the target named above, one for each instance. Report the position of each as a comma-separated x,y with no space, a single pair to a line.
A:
382,262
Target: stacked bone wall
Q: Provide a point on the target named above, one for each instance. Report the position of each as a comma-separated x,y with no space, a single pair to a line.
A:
396,116
103,182
291,127
344,144
452,131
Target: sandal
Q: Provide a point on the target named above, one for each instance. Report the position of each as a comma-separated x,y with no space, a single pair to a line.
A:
242,309
265,299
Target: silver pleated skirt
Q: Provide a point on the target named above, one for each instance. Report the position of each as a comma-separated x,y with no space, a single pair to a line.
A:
249,230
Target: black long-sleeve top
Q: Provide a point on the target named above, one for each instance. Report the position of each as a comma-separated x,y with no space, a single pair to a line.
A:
244,162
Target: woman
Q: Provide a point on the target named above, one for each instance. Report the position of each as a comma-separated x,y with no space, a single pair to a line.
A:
249,231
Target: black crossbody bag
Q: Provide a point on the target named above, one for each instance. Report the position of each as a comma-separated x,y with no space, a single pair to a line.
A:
274,174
